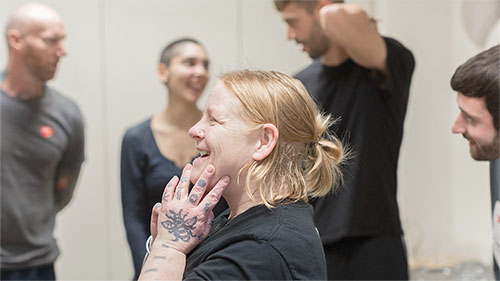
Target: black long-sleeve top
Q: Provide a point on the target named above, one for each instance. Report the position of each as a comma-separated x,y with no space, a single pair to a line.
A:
144,174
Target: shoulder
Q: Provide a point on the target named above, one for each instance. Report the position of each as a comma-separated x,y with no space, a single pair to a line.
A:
305,259
266,236
238,258
138,130
63,103
135,142
389,41
294,225
64,111
136,135
289,224
262,223
309,71
397,49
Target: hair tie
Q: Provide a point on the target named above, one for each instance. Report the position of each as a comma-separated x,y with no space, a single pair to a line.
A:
314,143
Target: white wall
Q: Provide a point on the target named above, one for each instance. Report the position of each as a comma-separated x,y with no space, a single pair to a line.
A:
110,71
443,194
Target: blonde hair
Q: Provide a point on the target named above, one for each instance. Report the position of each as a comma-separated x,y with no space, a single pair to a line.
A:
305,162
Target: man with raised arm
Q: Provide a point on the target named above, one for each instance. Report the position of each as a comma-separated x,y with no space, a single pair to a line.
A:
363,79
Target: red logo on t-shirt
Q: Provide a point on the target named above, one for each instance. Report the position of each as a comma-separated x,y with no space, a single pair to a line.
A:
46,131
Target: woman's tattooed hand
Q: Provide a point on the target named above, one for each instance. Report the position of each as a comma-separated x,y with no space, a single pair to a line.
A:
183,219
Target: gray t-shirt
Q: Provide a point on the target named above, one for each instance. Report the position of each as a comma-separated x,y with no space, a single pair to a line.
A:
42,139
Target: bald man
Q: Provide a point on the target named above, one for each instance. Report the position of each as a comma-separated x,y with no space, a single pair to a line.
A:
42,144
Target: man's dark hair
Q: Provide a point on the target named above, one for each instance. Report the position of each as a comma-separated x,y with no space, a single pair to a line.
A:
310,5
480,77
170,50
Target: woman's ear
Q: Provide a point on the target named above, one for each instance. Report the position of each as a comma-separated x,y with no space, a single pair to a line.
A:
267,141
163,73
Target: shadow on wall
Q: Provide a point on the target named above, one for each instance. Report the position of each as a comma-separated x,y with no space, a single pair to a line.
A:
481,20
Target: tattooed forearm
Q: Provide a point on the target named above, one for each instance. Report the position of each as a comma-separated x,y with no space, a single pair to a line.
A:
179,226
151,270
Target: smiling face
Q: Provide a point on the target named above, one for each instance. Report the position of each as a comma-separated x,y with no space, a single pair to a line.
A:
305,29
187,73
222,137
475,123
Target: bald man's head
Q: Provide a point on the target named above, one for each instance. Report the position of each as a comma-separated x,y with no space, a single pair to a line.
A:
29,17
35,34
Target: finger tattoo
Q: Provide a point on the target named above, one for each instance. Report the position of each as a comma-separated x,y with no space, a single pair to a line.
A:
202,183
151,270
193,198
207,207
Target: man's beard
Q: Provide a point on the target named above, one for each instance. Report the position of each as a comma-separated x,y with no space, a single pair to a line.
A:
485,152
37,68
317,43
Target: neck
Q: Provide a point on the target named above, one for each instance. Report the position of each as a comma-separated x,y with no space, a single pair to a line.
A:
238,200
334,56
180,113
20,83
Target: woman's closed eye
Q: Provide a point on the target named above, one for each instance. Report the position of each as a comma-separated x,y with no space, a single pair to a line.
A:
212,120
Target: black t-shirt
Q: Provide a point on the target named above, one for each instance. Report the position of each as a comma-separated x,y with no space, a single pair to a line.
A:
371,108
260,244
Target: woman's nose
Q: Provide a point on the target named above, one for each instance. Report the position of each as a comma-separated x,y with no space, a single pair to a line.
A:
201,70
196,131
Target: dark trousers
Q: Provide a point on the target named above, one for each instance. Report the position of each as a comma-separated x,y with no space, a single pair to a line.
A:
367,258
496,271
35,273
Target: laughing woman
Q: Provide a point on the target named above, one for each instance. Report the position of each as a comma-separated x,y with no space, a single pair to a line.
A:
153,150
265,148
